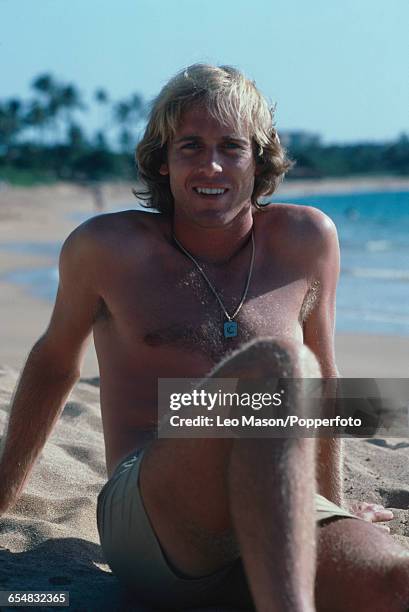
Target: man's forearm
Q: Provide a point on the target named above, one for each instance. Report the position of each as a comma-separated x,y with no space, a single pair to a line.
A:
38,401
330,469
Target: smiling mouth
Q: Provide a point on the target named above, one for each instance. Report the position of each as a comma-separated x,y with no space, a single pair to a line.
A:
207,191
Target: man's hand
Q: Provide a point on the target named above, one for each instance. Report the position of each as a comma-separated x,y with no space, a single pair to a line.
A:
373,513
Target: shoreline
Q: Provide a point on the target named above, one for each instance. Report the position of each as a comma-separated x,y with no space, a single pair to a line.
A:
347,185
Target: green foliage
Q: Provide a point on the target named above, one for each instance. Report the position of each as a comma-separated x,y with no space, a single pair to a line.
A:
25,178
42,138
352,159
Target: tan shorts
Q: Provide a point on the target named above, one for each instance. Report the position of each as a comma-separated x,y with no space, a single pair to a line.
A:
134,554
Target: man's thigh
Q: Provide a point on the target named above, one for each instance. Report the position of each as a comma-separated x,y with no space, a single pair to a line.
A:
184,487
139,559
360,567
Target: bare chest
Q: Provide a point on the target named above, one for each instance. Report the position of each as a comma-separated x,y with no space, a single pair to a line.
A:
174,311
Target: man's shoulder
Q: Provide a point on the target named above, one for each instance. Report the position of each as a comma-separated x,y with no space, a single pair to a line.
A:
100,237
296,215
306,224
120,223
117,228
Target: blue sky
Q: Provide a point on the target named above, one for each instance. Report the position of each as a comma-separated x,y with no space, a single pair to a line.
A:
339,69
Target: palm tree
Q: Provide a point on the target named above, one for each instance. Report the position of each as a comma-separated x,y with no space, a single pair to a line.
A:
102,98
128,114
55,100
68,100
76,138
45,108
11,123
44,84
37,118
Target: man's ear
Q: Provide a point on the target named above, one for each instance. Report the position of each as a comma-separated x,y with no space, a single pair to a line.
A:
164,170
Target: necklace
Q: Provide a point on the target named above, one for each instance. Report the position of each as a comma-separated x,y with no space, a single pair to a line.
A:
230,327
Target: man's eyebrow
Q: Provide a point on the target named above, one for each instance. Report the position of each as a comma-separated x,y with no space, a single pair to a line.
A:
236,138
185,138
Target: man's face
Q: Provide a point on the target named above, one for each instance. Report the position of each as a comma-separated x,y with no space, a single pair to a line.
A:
206,155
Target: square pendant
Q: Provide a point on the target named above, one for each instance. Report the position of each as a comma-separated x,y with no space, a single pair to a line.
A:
230,329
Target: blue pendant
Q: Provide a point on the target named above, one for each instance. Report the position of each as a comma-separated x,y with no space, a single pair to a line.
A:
230,329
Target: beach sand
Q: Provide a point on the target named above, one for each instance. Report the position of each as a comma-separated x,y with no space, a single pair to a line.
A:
49,541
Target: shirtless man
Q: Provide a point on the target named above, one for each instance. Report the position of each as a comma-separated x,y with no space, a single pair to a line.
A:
202,522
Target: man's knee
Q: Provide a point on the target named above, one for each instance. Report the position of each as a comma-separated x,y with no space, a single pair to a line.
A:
283,367
271,357
283,357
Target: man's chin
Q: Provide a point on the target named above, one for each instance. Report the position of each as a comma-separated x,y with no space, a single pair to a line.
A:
212,217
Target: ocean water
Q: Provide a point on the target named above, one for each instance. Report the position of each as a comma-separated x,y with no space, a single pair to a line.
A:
373,290
373,230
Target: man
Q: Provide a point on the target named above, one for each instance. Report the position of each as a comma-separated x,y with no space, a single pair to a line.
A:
211,286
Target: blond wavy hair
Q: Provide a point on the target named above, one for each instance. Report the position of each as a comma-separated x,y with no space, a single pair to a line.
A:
228,96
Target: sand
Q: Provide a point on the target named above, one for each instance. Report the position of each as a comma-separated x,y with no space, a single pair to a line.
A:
49,541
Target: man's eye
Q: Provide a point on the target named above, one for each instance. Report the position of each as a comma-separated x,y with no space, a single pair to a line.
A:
232,145
190,145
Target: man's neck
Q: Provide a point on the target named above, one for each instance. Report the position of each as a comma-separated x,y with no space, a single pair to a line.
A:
214,245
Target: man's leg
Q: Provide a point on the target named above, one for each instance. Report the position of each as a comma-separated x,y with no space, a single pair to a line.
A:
359,567
275,521
203,495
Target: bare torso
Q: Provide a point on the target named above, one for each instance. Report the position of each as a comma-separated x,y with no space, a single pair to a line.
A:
158,318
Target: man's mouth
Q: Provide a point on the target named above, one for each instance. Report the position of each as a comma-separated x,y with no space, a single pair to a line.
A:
209,191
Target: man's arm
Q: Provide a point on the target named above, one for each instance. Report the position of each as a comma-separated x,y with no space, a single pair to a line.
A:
52,367
319,337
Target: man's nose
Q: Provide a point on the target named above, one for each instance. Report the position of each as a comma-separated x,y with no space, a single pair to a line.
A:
211,162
